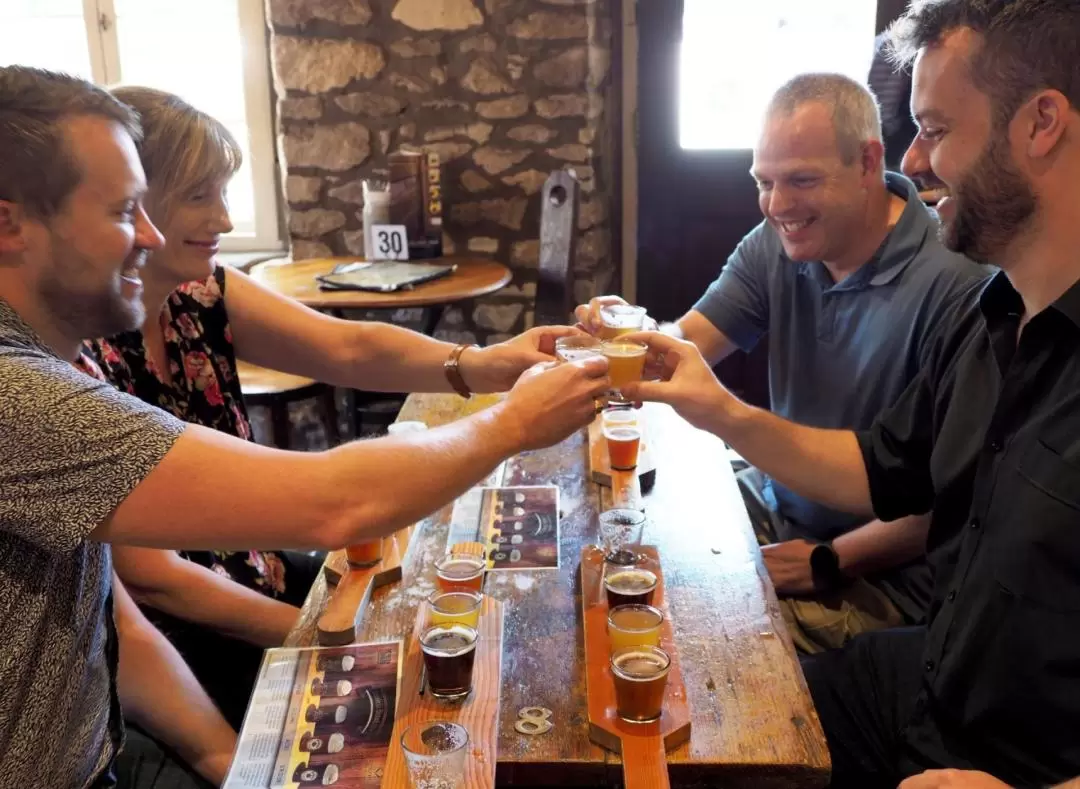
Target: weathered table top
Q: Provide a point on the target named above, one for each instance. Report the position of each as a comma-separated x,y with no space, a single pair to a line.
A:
754,723
474,277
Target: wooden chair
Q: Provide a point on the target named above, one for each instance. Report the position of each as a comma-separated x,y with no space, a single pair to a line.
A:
558,229
274,390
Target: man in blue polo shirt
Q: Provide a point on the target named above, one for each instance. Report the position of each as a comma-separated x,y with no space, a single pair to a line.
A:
847,281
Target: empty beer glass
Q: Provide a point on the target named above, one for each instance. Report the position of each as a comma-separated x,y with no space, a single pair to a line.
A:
435,754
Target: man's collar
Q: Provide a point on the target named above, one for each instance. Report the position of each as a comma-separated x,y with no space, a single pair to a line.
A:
1000,299
899,247
907,236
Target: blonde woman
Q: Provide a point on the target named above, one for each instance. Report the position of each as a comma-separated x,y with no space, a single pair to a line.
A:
201,317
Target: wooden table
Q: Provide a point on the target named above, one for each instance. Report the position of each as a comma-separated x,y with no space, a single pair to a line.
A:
754,724
474,277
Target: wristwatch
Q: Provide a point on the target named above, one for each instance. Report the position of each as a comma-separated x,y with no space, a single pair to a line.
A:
825,567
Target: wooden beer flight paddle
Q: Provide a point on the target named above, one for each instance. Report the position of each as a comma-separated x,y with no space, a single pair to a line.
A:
643,746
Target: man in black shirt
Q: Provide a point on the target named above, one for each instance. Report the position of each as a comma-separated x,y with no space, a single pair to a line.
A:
987,436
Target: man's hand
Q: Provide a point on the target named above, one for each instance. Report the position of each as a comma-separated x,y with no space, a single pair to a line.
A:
588,315
497,367
788,564
953,779
685,380
550,401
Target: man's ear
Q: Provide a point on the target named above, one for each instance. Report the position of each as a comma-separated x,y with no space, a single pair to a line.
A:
871,157
12,227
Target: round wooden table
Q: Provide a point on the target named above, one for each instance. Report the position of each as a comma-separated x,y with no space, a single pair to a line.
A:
296,279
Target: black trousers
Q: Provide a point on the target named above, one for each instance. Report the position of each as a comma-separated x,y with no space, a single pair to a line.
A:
865,694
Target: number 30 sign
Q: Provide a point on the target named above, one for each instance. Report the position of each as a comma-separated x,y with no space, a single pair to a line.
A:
390,243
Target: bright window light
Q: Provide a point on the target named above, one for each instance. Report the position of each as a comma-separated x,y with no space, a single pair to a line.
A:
735,54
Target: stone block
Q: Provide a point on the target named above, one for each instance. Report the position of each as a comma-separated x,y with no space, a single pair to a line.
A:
571,152
298,13
335,147
496,160
567,105
485,79
513,107
307,108
316,65
566,70
484,245
531,132
550,25
525,253
300,189
374,105
474,182
437,14
315,222
530,181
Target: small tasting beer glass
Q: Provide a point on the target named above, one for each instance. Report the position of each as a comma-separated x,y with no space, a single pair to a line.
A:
626,362
435,754
449,654
364,554
621,530
462,608
623,435
629,586
619,319
459,572
640,675
570,349
634,626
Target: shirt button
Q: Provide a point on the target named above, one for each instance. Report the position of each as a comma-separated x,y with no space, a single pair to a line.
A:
952,595
929,665
974,523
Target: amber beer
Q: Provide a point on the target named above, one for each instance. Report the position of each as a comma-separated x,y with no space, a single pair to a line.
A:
364,554
640,675
626,362
630,586
459,572
449,654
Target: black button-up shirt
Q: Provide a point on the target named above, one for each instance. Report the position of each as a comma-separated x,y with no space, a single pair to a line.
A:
988,436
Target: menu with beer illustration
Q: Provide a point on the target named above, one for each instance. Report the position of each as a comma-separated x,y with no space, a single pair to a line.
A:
321,716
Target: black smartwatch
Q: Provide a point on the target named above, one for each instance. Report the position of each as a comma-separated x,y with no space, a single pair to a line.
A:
825,567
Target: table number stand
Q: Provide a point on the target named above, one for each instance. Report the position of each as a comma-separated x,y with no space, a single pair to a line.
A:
643,746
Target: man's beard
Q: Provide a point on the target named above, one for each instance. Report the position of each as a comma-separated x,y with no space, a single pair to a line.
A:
86,314
992,205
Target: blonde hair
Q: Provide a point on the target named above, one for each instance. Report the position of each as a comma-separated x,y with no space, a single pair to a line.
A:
183,150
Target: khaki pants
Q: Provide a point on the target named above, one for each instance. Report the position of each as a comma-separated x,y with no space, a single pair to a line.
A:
826,620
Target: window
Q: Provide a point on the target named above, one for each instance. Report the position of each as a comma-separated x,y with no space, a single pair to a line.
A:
212,53
735,54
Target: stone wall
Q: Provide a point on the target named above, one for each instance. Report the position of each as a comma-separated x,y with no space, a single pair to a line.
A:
506,91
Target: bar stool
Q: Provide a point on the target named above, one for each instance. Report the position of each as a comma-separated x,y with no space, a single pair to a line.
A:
275,390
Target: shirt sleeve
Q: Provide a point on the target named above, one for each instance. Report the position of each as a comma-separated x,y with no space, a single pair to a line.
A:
896,450
737,303
72,448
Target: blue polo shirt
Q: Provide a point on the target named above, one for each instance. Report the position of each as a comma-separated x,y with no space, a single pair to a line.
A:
839,353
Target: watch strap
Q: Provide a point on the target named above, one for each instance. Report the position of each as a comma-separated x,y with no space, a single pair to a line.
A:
452,368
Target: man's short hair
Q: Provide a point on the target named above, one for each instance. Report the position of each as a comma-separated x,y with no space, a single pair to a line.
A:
37,170
1028,45
856,116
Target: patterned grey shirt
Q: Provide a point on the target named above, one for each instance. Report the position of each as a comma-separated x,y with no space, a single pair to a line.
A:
71,450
